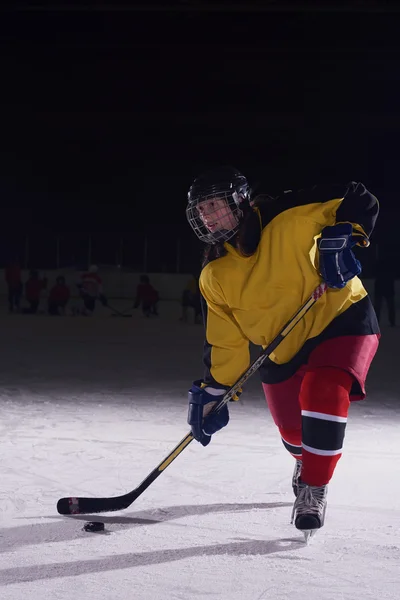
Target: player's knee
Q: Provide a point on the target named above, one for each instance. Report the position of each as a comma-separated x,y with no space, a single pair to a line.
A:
327,390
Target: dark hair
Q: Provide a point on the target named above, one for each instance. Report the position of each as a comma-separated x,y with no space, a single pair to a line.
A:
247,238
212,252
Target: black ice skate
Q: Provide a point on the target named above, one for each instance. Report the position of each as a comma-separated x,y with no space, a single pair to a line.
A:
296,476
309,508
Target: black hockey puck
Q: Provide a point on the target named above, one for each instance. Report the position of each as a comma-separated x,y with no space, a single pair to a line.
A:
94,526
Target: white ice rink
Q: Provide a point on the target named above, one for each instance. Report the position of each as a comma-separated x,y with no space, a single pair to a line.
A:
90,406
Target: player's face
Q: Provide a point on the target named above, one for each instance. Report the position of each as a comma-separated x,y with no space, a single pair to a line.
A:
216,214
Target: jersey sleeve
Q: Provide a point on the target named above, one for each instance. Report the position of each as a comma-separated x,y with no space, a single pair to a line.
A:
360,208
355,205
226,350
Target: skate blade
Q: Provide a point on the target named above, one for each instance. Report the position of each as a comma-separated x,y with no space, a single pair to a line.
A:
308,535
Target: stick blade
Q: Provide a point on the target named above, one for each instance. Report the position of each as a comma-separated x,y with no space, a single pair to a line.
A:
85,506
63,506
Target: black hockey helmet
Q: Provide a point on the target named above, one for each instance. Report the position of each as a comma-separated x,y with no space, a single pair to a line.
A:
217,201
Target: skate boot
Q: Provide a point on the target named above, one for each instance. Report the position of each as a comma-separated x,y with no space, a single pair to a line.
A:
296,476
309,508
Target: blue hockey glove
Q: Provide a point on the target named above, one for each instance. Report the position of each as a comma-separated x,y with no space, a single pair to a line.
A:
204,426
337,263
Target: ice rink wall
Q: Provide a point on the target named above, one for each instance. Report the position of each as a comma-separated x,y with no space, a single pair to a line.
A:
120,283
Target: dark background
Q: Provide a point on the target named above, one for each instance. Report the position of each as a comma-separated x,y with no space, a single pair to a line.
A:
108,113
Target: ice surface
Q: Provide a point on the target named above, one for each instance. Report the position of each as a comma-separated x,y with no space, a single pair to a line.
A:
90,406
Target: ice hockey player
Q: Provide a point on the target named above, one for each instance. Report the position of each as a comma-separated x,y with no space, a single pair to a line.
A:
58,297
33,289
191,299
14,284
264,257
90,288
146,297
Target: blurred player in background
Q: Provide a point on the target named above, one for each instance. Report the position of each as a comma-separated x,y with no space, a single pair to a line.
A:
14,285
33,290
191,299
90,288
147,297
58,297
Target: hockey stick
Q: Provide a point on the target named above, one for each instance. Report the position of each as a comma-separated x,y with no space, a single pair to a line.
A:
73,506
118,313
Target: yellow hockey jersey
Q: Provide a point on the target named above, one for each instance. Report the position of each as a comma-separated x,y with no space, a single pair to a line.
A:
250,298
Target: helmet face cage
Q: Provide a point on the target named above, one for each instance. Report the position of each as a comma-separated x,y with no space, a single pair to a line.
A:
214,211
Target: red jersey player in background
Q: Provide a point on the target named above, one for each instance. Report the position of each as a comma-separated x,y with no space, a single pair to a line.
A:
58,297
14,284
90,288
146,297
33,290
